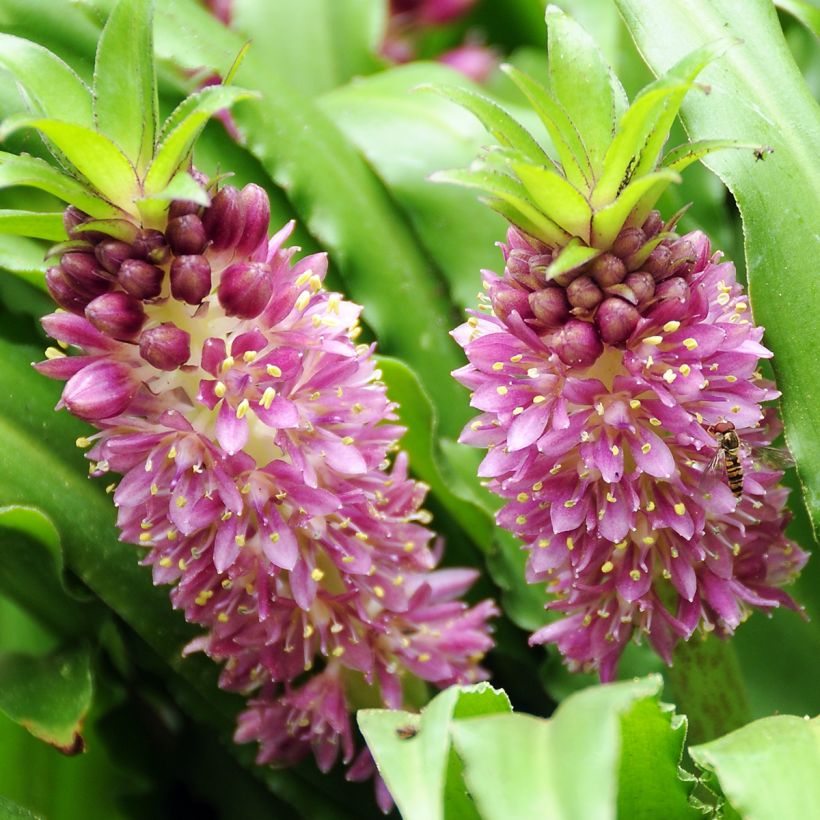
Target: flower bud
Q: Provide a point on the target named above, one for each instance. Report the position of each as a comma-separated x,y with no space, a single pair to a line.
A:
111,253
63,292
674,288
653,224
101,390
84,273
223,220
628,241
642,284
549,305
255,207
505,300
519,268
117,314
182,207
245,289
72,217
140,278
166,346
607,269
682,258
584,293
151,246
616,319
658,262
190,279
186,235
577,343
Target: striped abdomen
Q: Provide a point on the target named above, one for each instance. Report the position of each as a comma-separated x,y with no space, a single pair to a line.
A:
734,471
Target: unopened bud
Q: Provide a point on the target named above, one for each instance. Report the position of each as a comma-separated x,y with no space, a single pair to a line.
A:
683,256
658,262
100,390
549,305
642,284
577,343
223,220
519,268
653,224
584,293
607,269
166,346
111,253
182,207
616,319
150,245
85,274
190,279
245,289
117,314
186,235
63,292
629,240
140,278
255,206
72,217
674,288
506,299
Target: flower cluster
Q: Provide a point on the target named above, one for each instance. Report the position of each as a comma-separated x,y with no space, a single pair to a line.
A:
254,438
599,390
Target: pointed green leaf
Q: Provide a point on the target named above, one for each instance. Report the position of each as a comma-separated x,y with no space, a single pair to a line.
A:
182,186
125,94
23,257
122,229
562,131
51,87
182,129
557,198
91,153
583,84
413,753
607,223
806,11
778,196
28,223
768,769
506,129
573,255
49,696
511,191
37,173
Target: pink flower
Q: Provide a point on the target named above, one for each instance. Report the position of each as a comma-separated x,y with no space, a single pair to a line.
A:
599,392
254,442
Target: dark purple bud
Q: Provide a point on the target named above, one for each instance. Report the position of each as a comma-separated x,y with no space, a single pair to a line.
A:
674,288
186,235
607,270
628,241
255,206
577,343
223,220
99,391
549,305
63,292
642,284
182,207
518,269
616,319
584,293
190,279
506,299
653,224
151,246
140,278
166,346
682,259
245,289
72,217
118,315
111,253
84,273
657,263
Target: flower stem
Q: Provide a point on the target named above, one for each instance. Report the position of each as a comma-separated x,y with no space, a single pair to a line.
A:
707,686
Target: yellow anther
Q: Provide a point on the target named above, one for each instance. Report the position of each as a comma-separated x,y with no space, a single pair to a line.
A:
273,370
672,326
83,442
54,353
680,509
398,580
538,486
517,411
378,591
240,540
317,574
267,398
347,440
731,379
362,536
172,453
570,503
635,574
570,543
654,422
611,498
699,418
220,389
735,408
646,447
302,301
498,365
145,536
181,501
165,562
608,566
250,356
736,549
182,564
587,620
501,390
543,543
242,408
517,358
475,425
110,488
226,583
358,407
650,506
539,399
670,375
685,370
424,657
615,450
690,343
522,497
521,519
556,469
653,340
599,408
227,363
621,545
634,403
532,372
649,540
171,535
222,618
303,278
649,361
722,298
741,307
338,651
314,396
315,283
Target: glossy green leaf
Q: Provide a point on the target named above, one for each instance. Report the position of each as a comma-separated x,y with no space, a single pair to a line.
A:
583,84
571,256
778,196
125,92
51,88
182,130
49,696
37,173
767,769
805,11
320,44
23,257
518,767
413,752
29,223
506,130
91,153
